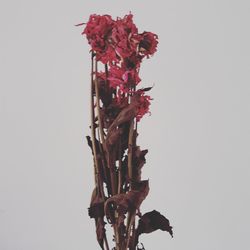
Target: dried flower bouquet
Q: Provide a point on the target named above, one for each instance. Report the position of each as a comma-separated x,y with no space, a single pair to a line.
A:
117,105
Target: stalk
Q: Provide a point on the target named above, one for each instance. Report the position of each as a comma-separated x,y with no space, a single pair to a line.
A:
130,225
98,180
106,242
93,135
111,167
98,106
104,165
130,151
120,169
113,177
130,216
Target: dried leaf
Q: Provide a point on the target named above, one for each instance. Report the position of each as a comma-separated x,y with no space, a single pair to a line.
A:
100,231
96,209
145,89
151,222
100,158
105,92
138,162
113,137
126,202
127,114
90,144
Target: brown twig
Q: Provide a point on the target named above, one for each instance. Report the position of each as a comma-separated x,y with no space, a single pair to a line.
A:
131,220
120,169
98,106
106,242
93,133
130,151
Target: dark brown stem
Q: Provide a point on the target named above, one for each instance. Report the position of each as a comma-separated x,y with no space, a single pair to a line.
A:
106,242
131,221
130,151
98,180
120,169
93,134
130,216
103,159
98,106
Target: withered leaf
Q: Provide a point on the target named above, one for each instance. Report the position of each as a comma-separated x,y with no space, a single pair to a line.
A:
90,144
113,138
100,231
100,158
126,114
151,222
105,92
127,202
124,136
145,89
96,209
138,162
110,113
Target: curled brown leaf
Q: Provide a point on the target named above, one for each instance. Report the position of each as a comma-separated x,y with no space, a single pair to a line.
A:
151,222
96,211
100,231
138,162
96,208
126,202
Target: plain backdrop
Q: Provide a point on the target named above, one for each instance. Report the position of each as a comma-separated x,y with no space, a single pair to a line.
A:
198,135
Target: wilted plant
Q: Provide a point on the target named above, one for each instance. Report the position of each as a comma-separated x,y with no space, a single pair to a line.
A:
117,105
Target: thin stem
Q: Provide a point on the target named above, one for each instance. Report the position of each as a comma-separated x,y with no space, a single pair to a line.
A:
98,180
110,164
93,134
120,168
106,242
130,216
130,151
104,166
113,177
133,235
130,145
98,106
131,220
117,236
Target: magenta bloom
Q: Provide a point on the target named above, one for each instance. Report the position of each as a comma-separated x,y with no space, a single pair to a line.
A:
118,45
148,44
97,31
144,103
125,36
122,78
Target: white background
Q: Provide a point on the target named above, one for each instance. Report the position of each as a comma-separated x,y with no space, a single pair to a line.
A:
198,135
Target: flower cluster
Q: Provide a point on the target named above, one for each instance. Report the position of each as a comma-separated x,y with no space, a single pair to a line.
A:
118,45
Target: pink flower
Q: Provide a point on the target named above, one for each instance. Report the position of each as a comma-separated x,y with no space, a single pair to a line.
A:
98,31
118,41
132,62
118,44
122,78
125,36
143,104
148,44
